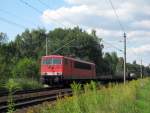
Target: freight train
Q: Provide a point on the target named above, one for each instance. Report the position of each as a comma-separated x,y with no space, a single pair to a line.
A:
57,69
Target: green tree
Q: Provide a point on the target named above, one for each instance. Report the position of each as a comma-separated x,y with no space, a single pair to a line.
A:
108,63
6,58
3,38
114,61
111,61
26,68
31,43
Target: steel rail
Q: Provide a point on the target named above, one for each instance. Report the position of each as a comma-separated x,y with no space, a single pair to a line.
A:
34,98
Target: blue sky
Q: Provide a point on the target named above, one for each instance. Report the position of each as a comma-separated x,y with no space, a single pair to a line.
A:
88,14
19,13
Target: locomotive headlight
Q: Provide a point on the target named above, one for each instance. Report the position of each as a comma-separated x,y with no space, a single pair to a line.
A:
59,73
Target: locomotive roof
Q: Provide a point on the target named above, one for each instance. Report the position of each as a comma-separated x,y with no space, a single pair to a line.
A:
60,56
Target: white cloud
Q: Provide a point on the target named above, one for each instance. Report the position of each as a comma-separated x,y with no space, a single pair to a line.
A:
144,49
105,33
144,24
65,15
138,34
138,38
138,53
89,10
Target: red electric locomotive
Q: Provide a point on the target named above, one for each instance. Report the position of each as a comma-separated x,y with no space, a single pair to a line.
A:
60,69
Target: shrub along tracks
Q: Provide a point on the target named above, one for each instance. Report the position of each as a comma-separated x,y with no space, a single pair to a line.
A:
33,97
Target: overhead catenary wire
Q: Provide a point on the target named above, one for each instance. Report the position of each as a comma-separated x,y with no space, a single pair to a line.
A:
29,5
39,11
63,46
117,16
124,35
18,17
44,4
112,46
12,23
138,57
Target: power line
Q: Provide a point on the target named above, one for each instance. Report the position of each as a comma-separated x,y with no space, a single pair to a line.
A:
12,23
14,15
124,36
63,46
44,4
117,16
39,11
34,8
113,46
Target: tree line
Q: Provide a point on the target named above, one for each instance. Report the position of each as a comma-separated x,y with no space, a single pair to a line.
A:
21,57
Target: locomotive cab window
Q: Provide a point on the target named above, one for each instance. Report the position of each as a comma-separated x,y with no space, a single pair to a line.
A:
51,61
56,61
47,61
81,65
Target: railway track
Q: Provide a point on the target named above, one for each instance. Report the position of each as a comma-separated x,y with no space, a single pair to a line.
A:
5,93
33,97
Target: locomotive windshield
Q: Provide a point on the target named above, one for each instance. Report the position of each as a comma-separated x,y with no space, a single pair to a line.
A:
51,61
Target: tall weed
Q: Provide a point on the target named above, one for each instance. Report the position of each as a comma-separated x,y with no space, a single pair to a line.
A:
11,86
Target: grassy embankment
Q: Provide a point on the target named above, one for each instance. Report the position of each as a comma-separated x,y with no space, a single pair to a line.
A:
134,97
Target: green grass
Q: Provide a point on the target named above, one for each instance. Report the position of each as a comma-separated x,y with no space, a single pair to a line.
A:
143,99
134,97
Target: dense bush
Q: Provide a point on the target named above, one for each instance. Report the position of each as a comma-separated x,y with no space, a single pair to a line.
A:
26,83
26,68
23,83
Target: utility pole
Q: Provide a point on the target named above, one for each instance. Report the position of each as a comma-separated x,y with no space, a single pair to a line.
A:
124,57
46,45
141,69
